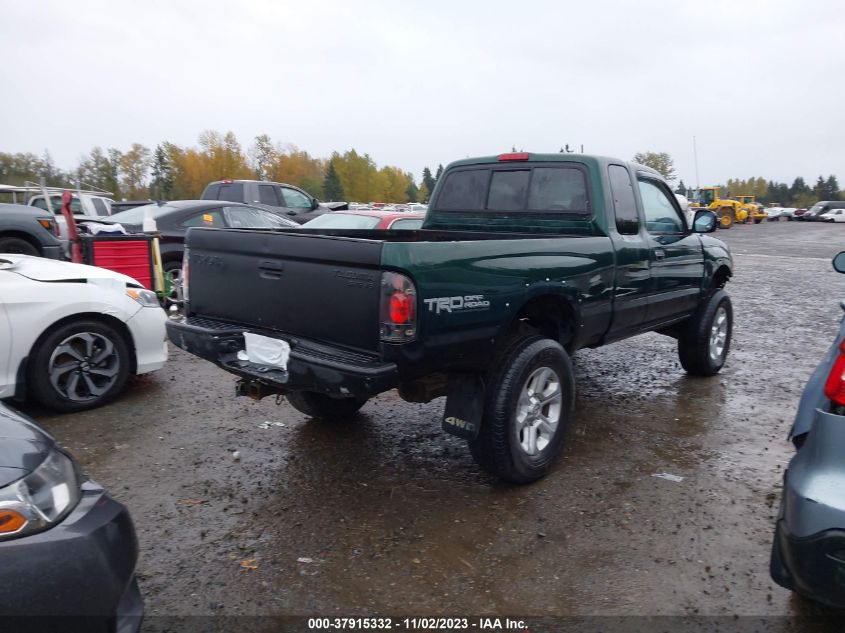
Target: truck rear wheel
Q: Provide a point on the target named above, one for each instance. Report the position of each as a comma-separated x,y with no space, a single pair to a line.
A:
529,401
319,405
705,340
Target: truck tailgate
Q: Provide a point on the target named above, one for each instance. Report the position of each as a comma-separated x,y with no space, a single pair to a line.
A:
314,286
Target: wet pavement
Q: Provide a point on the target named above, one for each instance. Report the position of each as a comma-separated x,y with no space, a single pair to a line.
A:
389,515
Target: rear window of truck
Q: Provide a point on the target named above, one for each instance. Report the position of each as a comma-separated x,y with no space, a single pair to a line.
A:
231,192
537,189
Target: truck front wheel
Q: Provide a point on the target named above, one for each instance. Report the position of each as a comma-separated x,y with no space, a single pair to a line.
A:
705,340
318,405
529,400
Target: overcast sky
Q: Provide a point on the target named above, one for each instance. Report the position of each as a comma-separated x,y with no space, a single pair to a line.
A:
760,84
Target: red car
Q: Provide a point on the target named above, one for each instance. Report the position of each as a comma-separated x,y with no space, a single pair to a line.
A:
367,219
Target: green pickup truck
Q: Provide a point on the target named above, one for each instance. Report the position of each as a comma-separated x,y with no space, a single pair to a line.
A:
523,259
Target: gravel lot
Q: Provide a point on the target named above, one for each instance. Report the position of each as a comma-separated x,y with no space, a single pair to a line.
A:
389,515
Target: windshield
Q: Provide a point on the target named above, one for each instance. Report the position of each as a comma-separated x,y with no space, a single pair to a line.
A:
707,196
337,220
136,215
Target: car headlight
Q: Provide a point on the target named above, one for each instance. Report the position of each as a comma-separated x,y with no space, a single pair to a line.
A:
41,499
146,298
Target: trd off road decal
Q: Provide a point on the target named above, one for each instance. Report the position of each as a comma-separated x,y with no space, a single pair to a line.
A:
466,303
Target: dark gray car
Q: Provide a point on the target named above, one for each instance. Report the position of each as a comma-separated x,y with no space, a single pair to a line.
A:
808,553
67,550
28,231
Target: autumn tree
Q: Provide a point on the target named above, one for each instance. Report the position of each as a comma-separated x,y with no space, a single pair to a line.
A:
18,168
660,162
422,195
332,187
263,156
134,166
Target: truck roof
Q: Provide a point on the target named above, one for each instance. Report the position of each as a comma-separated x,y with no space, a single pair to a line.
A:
531,157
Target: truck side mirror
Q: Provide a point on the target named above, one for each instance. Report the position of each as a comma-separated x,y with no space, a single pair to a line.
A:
314,203
704,222
839,262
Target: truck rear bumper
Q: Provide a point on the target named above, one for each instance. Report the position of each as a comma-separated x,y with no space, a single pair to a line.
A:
312,366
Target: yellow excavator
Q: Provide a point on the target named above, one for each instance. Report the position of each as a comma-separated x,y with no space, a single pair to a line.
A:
728,211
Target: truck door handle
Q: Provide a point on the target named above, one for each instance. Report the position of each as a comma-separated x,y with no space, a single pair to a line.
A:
659,254
270,269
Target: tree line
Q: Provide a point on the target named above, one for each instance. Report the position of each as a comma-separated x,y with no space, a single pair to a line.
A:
171,172
798,194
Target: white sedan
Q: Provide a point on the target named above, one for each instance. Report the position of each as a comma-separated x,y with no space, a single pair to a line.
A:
71,335
834,215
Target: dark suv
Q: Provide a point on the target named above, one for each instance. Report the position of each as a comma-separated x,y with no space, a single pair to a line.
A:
292,201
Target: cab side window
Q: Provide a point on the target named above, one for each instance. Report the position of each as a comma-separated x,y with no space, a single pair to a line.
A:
624,203
295,200
661,213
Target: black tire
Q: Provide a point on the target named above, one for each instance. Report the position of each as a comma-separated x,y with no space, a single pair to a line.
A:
757,221
51,384
694,341
318,405
17,246
498,448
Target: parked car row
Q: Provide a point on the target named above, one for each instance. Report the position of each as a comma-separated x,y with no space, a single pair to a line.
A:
825,211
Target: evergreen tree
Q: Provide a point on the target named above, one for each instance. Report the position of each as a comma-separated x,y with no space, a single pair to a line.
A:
832,186
438,174
161,183
821,189
332,187
428,180
798,187
412,191
682,189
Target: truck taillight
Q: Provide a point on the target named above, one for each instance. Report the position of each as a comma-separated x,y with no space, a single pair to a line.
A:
398,309
183,285
513,156
834,388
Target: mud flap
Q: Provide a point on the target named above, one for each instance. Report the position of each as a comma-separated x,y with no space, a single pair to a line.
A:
464,406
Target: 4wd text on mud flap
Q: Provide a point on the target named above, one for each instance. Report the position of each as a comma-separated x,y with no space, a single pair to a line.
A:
457,304
461,424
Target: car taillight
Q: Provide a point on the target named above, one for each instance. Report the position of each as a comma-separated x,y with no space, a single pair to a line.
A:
834,388
398,308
